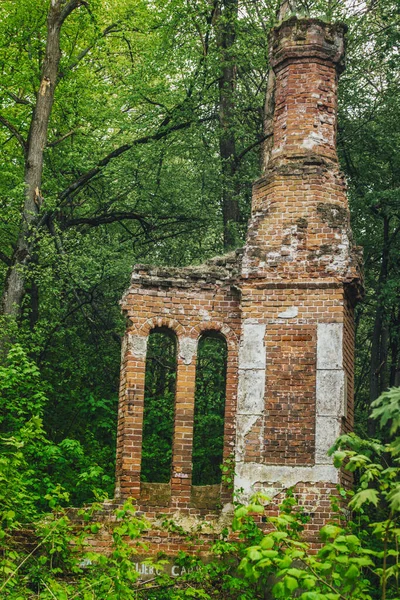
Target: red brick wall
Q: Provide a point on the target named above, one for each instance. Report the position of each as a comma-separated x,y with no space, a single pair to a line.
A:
288,293
187,312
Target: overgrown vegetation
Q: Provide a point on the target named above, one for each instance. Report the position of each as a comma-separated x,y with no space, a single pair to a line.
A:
358,558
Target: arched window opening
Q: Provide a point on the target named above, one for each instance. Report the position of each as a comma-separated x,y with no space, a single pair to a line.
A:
208,435
159,401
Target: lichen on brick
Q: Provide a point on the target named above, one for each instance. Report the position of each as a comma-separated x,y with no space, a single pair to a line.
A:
333,215
302,223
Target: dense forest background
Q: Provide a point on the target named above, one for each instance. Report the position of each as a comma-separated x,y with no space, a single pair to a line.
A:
144,150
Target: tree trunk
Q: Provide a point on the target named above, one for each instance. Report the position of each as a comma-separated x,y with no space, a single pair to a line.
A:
288,7
227,144
379,337
395,352
15,284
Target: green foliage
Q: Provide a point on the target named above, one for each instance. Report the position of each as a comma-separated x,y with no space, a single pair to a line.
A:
32,464
159,405
358,558
145,77
22,392
61,564
209,410
386,410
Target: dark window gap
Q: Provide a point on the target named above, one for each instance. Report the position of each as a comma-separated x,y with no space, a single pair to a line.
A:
208,435
159,404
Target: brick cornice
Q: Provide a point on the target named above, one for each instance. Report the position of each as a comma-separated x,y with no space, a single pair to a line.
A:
299,40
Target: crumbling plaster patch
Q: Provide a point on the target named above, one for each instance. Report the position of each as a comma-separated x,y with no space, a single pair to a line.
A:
137,345
331,387
192,524
187,349
251,387
244,425
330,346
204,314
252,350
327,429
289,313
314,139
331,393
124,347
251,391
340,258
272,479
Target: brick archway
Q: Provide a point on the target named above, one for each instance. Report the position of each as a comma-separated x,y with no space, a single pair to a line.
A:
155,322
229,335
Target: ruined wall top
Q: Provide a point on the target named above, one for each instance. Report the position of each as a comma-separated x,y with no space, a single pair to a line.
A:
301,39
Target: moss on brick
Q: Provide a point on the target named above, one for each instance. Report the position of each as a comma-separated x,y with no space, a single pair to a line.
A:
333,215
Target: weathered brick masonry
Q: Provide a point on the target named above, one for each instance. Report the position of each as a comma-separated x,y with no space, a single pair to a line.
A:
284,304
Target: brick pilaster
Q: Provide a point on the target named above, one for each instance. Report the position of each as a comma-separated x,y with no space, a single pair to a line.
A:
130,417
181,479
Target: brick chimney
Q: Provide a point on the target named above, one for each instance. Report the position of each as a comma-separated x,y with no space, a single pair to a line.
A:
300,225
300,281
306,56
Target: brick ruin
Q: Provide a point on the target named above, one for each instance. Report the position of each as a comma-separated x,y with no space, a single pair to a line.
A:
284,304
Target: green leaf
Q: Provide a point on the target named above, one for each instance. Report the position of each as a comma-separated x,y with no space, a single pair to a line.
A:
352,572
267,543
394,499
254,554
365,496
330,532
269,553
279,590
338,458
279,535
291,583
308,583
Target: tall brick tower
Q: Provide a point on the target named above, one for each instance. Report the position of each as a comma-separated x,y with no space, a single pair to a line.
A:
284,305
299,279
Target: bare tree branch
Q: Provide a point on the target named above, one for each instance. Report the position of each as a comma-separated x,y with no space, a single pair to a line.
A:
18,99
110,29
104,219
161,133
243,153
15,132
70,7
95,221
61,139
287,7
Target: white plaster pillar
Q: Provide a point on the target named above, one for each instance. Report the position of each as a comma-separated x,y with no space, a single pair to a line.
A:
251,386
331,400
